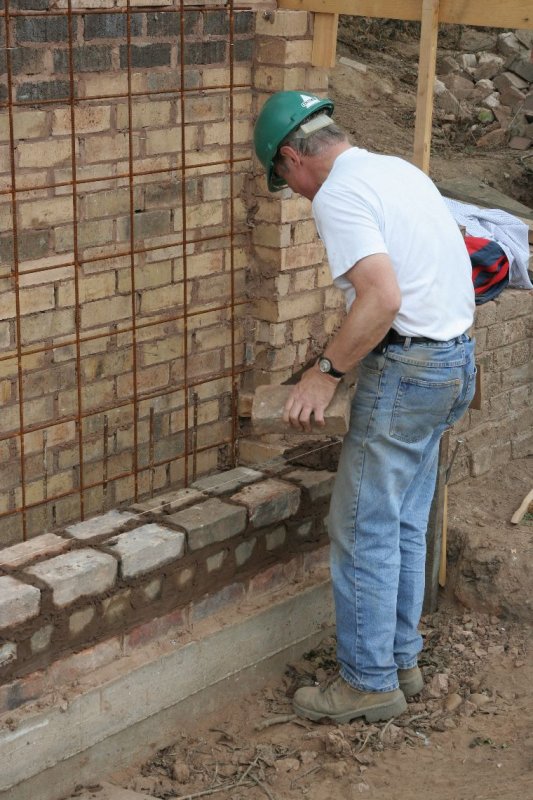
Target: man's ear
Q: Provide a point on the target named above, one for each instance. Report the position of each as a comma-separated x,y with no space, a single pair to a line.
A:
290,156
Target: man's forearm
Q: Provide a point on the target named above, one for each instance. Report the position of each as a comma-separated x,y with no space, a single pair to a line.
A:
366,323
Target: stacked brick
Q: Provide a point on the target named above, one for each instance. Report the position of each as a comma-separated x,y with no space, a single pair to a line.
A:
180,557
183,139
502,429
296,308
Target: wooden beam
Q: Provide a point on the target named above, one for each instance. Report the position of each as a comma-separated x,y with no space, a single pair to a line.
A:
426,79
491,13
324,40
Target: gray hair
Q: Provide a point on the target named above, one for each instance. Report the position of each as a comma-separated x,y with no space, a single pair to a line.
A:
311,144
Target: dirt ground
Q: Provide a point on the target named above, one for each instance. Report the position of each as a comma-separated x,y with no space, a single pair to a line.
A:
378,106
467,736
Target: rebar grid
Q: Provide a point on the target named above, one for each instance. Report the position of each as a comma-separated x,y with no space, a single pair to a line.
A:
144,449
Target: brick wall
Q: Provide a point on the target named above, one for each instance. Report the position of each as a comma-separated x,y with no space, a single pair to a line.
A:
502,429
130,338
124,577
295,308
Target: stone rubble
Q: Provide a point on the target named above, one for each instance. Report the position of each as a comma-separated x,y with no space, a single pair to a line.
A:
493,91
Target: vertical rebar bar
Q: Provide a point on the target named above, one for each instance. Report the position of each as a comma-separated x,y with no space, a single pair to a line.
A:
234,416
77,266
184,246
132,259
16,268
151,451
105,457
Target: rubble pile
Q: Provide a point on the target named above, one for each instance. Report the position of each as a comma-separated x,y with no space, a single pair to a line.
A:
492,92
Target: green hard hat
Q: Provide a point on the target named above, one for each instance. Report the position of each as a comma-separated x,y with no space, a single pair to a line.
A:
282,113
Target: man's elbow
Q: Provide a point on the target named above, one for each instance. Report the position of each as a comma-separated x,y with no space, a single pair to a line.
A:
391,303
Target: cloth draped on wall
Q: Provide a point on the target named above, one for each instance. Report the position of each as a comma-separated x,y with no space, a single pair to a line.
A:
500,226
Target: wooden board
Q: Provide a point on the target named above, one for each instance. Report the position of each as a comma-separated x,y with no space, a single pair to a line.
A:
490,13
325,40
426,79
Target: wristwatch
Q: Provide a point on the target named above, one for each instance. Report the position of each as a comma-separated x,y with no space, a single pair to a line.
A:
325,366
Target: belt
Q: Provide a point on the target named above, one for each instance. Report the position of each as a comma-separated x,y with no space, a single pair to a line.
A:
393,337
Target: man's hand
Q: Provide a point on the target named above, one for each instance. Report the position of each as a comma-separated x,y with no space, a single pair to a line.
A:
312,395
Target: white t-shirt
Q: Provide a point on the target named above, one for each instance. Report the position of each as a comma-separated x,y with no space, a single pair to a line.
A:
372,203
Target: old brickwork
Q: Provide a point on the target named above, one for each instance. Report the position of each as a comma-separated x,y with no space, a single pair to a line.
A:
142,299
295,306
122,576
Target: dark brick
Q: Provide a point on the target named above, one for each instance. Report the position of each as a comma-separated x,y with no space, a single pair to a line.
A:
216,22
30,5
27,60
47,90
205,52
111,26
86,59
42,29
32,244
191,24
151,55
163,24
243,49
243,22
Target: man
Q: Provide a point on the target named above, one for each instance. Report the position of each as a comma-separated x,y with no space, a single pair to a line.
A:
395,250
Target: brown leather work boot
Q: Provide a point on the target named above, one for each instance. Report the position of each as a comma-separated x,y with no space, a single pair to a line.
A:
340,702
411,681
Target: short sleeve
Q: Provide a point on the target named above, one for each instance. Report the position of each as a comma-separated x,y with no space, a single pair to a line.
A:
350,227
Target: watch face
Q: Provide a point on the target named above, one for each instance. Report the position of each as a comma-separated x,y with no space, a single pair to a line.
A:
324,365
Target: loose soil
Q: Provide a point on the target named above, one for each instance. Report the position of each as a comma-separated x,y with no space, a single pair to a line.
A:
378,106
467,736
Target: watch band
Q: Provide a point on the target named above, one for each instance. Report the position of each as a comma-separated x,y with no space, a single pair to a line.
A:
326,367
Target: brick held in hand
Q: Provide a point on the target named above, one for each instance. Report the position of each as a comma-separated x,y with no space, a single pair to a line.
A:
269,401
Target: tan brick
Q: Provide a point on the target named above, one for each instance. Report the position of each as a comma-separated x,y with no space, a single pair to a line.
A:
29,124
304,255
5,335
206,109
300,329
283,23
146,276
98,394
109,148
37,299
99,85
146,114
87,119
6,215
202,216
158,299
272,235
102,312
304,280
41,213
275,79
44,154
205,264
106,364
47,324
7,305
108,203
284,51
219,133
290,307
168,140
150,378
89,234
166,349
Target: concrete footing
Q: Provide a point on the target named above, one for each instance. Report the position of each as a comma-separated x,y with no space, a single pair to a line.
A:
131,708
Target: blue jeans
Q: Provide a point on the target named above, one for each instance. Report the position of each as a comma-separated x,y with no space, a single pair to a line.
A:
405,399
